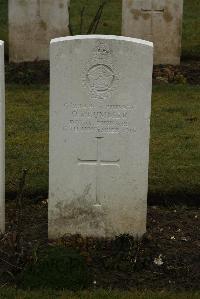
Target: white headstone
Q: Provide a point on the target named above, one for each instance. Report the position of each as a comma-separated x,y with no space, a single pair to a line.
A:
99,135
32,24
2,140
159,21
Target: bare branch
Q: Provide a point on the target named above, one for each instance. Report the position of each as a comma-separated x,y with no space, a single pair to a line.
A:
82,15
70,25
99,17
95,22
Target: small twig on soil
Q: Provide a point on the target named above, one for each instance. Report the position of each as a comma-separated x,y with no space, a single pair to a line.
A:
10,273
4,252
14,266
19,198
137,252
3,285
21,187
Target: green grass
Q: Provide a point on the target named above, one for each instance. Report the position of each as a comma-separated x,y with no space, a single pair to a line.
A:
191,29
14,294
175,140
27,137
111,21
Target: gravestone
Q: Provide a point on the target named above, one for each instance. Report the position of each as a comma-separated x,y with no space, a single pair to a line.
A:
2,139
32,24
100,106
159,21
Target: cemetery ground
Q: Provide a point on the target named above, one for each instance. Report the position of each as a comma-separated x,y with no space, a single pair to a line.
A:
167,259
10,294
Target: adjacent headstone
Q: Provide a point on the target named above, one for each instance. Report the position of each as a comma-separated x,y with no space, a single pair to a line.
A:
100,107
32,24
159,21
2,140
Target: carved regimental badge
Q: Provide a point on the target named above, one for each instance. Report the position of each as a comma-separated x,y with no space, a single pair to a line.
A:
100,75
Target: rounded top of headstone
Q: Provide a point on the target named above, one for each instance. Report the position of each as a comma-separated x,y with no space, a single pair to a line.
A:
104,37
1,43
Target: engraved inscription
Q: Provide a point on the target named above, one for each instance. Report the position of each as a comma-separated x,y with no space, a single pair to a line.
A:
108,119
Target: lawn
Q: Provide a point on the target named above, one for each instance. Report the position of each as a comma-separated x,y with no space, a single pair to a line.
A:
175,143
111,21
191,29
174,151
14,294
27,137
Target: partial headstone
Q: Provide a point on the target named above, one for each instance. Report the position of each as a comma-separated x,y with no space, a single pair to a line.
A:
100,107
32,24
2,140
159,21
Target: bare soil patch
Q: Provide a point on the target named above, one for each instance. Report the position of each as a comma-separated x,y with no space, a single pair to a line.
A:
38,73
168,257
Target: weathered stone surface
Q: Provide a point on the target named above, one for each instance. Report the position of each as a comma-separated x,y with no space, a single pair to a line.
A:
99,135
159,21
32,24
2,140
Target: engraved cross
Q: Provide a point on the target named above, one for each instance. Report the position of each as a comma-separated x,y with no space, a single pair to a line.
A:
98,162
154,12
